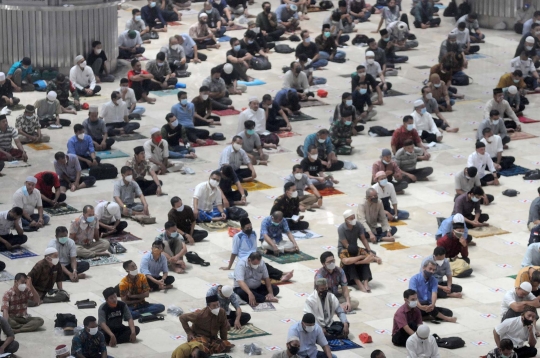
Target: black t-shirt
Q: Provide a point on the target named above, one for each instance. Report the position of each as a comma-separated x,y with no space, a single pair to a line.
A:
252,48
314,168
114,316
235,54
369,79
310,51
174,133
92,57
225,184
229,78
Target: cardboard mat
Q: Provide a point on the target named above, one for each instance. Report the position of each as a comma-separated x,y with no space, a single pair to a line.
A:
102,260
123,237
393,246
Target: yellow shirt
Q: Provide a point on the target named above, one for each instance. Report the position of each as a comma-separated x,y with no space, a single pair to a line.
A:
523,275
506,81
184,350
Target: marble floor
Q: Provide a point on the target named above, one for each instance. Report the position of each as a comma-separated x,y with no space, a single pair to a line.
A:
483,291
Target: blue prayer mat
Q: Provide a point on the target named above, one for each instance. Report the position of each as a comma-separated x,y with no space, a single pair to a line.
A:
342,344
515,170
18,254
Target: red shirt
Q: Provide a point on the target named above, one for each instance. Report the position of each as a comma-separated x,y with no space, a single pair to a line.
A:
453,247
402,134
132,73
404,315
45,189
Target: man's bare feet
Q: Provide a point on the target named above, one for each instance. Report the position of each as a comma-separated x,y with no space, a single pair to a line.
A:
287,277
104,253
146,41
455,295
81,276
150,100
272,300
452,130
451,319
263,162
179,270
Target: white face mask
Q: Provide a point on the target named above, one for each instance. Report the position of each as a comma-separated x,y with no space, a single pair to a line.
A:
55,261
180,209
160,64
175,47
529,48
309,329
294,194
93,331
80,136
331,266
237,146
98,51
254,266
204,97
83,65
314,156
129,178
440,262
134,272
429,95
215,311
298,176
351,222
370,61
321,140
413,304
495,122
22,287
214,183
124,88
138,18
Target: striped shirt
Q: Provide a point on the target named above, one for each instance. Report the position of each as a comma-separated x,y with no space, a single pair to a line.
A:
7,137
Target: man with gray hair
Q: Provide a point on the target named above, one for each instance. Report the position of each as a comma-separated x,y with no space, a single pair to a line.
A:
175,54
82,77
426,287
84,230
96,128
29,198
323,305
373,218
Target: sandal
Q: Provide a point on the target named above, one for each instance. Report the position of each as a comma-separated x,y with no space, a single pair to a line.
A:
194,258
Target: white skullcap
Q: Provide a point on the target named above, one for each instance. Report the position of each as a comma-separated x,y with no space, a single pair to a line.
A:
294,7
347,213
113,208
529,39
458,218
526,286
202,14
2,76
423,331
51,96
93,109
79,58
227,291
418,103
402,26
370,54
31,179
228,68
50,250
512,89
292,338
154,131
253,98
61,349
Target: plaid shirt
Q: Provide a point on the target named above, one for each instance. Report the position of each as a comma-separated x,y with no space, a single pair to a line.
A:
135,286
158,71
335,278
27,125
87,345
16,302
139,169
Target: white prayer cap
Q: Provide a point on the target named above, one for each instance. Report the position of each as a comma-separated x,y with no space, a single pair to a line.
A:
253,98
227,291
113,209
512,89
50,250
423,331
228,68
202,14
61,349
292,338
348,213
93,109
402,26
51,96
529,39
458,218
526,286
31,179
418,103
370,54
79,58
154,131
2,76
294,7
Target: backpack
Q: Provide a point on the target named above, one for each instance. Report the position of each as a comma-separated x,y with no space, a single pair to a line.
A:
380,131
283,48
326,4
344,150
463,9
359,39
532,175
460,79
103,171
510,192
65,320
236,214
450,342
271,138
40,85
260,63
294,38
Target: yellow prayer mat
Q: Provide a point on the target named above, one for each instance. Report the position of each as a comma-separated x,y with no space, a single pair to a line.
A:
254,186
486,231
394,246
38,146
397,223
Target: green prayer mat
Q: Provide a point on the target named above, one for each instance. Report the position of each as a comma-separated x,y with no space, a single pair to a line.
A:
300,117
168,92
132,136
111,154
123,237
247,331
512,276
61,210
289,258
102,260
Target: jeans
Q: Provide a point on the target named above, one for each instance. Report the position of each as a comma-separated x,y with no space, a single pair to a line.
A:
178,151
319,80
401,214
127,54
221,31
35,217
398,59
206,216
340,55
138,110
153,308
367,15
318,63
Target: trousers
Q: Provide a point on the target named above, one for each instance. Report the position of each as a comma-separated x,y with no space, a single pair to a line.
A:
299,225
154,287
420,173
445,311
119,228
25,324
399,339
453,289
122,334
83,164
90,250
482,218
35,217
87,180
113,129
259,293
148,187
82,266
61,198
244,318
525,352
146,307
13,240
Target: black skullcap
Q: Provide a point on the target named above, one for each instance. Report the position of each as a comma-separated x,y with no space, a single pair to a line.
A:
210,299
308,318
244,222
480,145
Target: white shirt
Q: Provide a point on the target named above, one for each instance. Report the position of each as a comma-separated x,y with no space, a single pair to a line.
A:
299,82
112,113
27,203
208,197
526,67
82,78
480,162
130,98
106,217
6,225
133,24
420,348
258,117
387,191
374,69
462,37
425,122
154,151
494,147
503,107
511,297
125,41
514,330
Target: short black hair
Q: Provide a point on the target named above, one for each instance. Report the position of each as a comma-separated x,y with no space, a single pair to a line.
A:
26,61
137,150
375,353
255,255
169,224
48,178
59,155
439,250
78,127
134,62
232,40
17,210
126,264
407,118
160,56
88,320
326,255
408,293
288,185
59,229
476,190
124,80
204,89
506,344
134,11
249,124
494,112
169,116
125,169
158,243
174,200
518,73
96,43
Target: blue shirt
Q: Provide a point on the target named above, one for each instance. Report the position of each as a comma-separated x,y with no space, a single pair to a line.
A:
281,96
274,231
149,16
308,341
18,65
446,227
424,288
220,7
149,266
311,139
282,14
80,147
184,114
243,245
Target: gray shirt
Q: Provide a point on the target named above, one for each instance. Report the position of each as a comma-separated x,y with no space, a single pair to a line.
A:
251,142
234,159
440,270
65,252
534,211
215,85
431,105
96,130
252,277
407,161
103,319
462,183
499,129
300,184
351,235
174,55
127,192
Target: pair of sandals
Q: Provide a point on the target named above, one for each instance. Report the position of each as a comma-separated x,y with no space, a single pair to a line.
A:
194,258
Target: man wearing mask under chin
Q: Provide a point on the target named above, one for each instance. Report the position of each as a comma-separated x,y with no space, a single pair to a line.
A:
310,334
207,201
205,326
90,342
83,78
45,274
407,319
293,347
521,331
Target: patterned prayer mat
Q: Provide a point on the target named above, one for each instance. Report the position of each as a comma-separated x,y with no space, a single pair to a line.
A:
132,136
486,231
265,306
327,192
20,253
515,170
16,164
247,331
521,135
524,119
226,112
61,210
342,344
303,235
279,150
6,276
289,258
397,223
288,134
38,146
312,103
392,246
167,92
254,186
208,142
102,260
300,117
111,154
123,237
218,225
17,107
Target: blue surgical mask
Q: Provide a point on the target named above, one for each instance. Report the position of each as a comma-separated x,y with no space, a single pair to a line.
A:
25,190
410,127
174,235
348,123
138,17
516,81
383,182
63,240
275,223
237,48
250,131
175,123
90,219
386,39
183,102
363,90
153,4
348,102
423,111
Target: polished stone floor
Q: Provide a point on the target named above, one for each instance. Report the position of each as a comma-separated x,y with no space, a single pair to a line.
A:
421,200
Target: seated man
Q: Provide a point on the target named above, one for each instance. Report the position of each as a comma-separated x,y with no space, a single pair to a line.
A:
63,89
235,156
341,132
185,220
312,165
310,49
446,288
530,274
358,116
229,196
250,44
248,275
355,262
48,111
519,331
513,98
6,92
207,201
422,344
407,158
111,315
501,105
393,173
10,345
203,109
97,60
174,247
15,303
446,226
184,112
275,117
424,123
289,100
288,205
465,203
432,108
372,86
505,348
82,78
116,116
372,216
482,161
72,269
350,231
214,19
205,326
471,22
532,255
440,93
68,168
129,97
45,274
406,131
534,212
218,90
494,149
454,244
407,319
327,44
129,45
374,69
9,220
226,297
325,149
295,78
387,193
84,230
463,38
133,289
163,77
267,22
140,168
29,127
20,75
497,127
46,181
175,56
156,151
335,277
256,114
89,342
153,264
286,16
125,191
323,305
423,15
426,287
272,229
523,62
178,138
109,216
83,147
309,334
141,82
465,180
362,104
96,128
302,182
156,18
28,198
516,301
390,47
201,34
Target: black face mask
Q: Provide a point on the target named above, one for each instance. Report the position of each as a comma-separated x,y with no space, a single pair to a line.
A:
323,294
527,322
10,218
267,10
248,232
297,70
293,350
374,200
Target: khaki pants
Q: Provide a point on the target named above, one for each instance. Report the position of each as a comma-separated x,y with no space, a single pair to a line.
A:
307,200
89,251
531,225
173,247
255,156
25,324
354,302
44,139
